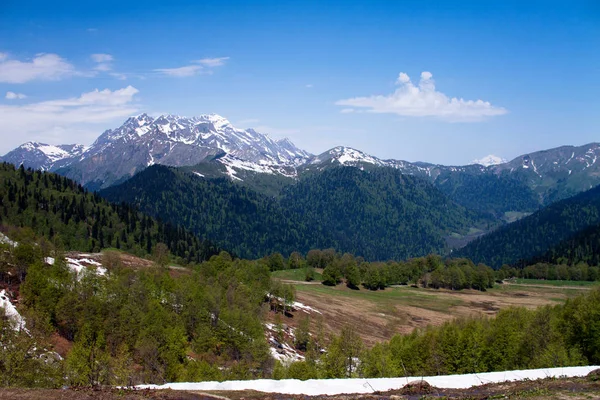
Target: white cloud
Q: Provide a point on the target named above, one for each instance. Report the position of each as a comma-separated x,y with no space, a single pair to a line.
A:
422,101
212,62
118,75
203,66
42,66
71,118
15,96
103,62
101,58
181,72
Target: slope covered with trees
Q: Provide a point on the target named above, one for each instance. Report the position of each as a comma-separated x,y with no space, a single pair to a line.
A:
132,326
534,235
238,219
488,192
582,247
379,214
63,212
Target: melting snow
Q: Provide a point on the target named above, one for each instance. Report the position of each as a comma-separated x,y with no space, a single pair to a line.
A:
282,351
305,308
78,265
6,240
11,311
572,155
316,387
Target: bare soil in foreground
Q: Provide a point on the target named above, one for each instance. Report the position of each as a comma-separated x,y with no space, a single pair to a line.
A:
565,388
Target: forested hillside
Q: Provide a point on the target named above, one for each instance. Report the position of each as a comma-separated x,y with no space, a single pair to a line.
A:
536,234
66,214
245,222
582,247
379,214
488,192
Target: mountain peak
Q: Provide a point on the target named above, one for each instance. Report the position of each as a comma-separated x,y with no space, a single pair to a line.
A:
217,120
489,160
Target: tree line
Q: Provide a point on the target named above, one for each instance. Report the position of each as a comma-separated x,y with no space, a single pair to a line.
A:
70,217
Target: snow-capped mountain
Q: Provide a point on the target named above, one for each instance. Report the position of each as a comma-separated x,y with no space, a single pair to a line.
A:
168,139
490,160
44,156
216,148
348,156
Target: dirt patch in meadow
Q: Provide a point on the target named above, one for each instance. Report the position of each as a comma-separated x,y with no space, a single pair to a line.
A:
378,318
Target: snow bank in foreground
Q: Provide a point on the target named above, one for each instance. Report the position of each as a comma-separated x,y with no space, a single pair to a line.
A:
315,387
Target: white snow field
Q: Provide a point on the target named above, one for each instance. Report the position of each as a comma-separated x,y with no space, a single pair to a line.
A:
315,387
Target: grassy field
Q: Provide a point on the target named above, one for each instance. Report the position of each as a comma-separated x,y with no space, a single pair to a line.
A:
294,275
378,315
555,283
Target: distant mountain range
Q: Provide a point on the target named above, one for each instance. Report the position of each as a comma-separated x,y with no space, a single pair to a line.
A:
215,148
169,140
478,197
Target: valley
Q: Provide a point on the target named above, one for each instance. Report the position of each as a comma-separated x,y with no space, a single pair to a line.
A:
299,200
379,315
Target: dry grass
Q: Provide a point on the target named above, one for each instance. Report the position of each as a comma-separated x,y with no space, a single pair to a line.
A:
378,315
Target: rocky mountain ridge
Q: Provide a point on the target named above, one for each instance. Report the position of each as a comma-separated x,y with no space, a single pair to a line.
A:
215,148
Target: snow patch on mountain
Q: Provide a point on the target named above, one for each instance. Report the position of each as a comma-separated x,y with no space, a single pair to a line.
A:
44,156
234,165
489,160
346,156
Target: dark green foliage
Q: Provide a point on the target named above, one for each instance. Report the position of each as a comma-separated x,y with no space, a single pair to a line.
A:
583,246
331,275
245,222
352,275
309,274
561,272
534,235
68,215
488,192
379,214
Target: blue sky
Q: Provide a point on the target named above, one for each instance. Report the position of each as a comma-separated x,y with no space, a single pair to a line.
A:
437,81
